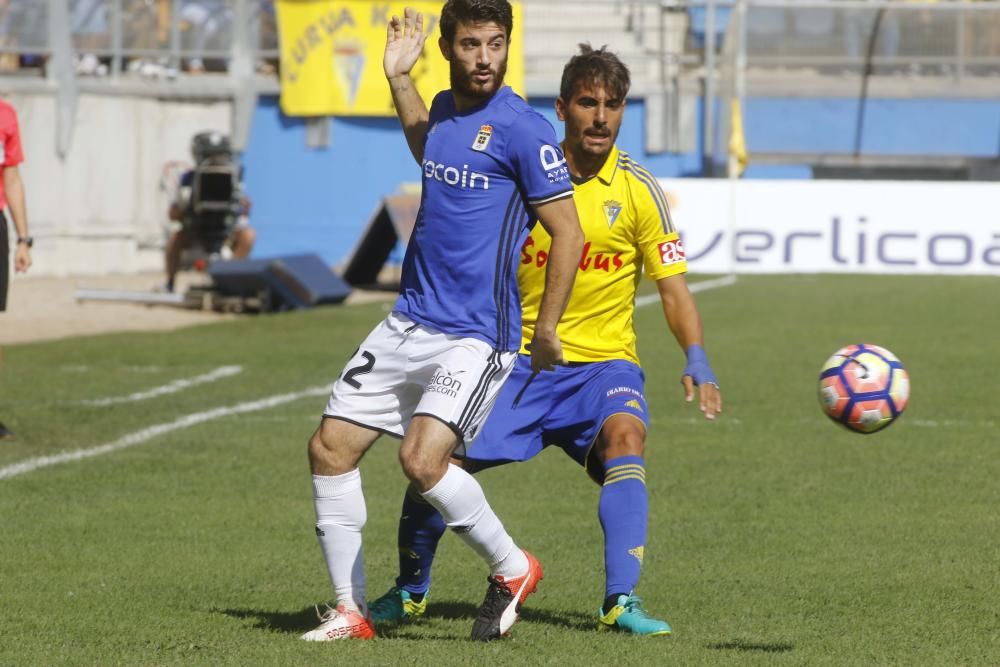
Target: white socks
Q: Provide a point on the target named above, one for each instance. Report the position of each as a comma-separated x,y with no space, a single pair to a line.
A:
460,500
340,516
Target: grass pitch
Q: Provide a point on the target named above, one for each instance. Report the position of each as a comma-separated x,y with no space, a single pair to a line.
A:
776,537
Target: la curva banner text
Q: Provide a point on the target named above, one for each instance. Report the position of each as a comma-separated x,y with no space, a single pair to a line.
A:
331,56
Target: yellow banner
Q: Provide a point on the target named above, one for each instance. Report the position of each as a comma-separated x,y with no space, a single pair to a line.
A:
331,56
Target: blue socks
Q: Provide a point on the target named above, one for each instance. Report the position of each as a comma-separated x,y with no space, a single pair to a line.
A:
624,512
420,530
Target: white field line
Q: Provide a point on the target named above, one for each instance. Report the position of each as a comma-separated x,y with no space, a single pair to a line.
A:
170,388
150,432
701,286
911,423
946,423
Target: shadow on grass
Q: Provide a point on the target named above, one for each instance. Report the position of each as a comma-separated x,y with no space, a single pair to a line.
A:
298,622
281,621
741,645
463,610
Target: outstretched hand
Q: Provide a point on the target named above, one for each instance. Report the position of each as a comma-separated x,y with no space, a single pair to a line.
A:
404,42
709,396
699,373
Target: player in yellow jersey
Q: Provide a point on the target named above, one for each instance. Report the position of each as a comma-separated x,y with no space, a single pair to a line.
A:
594,407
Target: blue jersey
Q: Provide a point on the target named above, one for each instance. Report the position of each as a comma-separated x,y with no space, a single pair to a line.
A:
482,170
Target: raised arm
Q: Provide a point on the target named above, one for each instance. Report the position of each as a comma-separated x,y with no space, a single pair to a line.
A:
560,220
685,323
404,42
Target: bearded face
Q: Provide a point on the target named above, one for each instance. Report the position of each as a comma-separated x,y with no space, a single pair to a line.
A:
477,59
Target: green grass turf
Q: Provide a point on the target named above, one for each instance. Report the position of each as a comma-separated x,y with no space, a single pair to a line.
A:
776,537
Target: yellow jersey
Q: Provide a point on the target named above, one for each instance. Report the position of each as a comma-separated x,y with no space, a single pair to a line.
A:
627,225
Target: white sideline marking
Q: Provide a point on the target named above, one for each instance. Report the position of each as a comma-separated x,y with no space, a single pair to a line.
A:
725,421
701,286
170,388
150,432
945,423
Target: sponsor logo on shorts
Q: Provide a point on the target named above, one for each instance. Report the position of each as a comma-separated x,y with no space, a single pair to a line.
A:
634,404
671,252
444,383
618,391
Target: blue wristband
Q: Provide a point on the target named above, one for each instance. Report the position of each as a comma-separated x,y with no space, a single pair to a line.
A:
698,367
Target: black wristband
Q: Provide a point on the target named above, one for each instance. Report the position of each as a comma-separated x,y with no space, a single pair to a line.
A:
26,240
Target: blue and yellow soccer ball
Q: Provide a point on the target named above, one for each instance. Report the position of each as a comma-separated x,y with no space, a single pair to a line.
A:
863,387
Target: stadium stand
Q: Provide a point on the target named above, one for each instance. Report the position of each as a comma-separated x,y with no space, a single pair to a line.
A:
886,87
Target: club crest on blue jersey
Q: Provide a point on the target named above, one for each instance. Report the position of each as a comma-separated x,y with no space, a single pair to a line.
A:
483,138
611,211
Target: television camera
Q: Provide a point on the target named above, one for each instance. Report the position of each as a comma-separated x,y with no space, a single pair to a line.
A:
215,201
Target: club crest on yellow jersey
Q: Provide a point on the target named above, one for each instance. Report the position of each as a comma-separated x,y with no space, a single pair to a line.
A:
612,209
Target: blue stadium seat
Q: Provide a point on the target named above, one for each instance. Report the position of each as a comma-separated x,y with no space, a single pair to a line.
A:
698,17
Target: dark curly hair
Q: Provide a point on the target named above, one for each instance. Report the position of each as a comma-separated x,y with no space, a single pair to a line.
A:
600,67
475,11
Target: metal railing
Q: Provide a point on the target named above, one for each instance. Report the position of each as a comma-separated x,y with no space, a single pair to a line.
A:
150,38
675,47
949,37
930,39
171,38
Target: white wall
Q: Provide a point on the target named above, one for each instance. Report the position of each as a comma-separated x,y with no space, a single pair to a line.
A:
101,210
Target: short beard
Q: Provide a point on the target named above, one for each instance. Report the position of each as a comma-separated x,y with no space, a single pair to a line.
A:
598,152
461,82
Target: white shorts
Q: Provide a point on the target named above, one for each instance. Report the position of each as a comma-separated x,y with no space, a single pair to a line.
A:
404,369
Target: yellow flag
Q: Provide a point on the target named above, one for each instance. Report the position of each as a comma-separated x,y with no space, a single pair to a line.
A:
331,56
738,156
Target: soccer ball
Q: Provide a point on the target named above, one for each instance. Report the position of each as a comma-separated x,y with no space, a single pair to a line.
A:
863,387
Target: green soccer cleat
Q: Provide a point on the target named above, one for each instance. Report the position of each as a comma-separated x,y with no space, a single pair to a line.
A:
629,616
397,606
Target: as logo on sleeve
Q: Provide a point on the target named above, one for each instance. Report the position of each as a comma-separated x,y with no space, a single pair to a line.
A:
671,252
553,163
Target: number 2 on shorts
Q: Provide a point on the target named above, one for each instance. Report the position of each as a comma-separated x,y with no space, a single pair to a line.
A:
366,367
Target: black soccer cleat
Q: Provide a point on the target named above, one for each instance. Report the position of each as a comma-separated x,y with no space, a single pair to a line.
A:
503,601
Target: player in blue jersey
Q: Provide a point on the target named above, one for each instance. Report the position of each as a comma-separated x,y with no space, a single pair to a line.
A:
594,408
431,371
